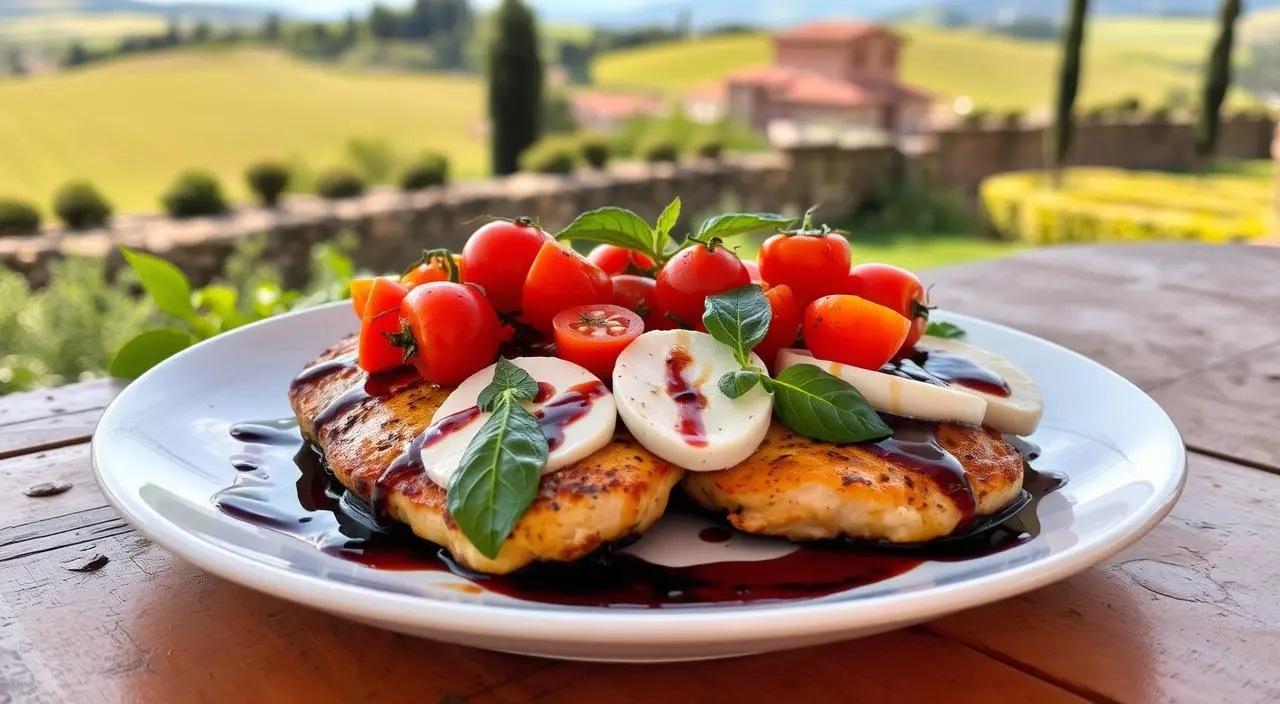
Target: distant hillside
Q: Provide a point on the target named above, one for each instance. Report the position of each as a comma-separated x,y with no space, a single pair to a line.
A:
219,12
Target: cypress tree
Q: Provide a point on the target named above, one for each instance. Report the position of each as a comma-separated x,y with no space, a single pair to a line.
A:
1217,79
515,86
1068,82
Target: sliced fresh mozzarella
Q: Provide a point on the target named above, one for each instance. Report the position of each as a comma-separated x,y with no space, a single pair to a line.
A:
667,387
1017,413
895,394
576,411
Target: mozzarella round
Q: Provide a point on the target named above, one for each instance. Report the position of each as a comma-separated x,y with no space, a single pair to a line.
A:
1018,413
724,431
576,440
896,395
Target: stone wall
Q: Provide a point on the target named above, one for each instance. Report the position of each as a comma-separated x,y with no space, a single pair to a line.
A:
394,227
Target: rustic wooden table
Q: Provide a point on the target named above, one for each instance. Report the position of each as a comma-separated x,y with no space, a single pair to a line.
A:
1189,613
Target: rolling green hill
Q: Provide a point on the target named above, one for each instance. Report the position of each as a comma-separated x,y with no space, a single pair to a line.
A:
130,126
1147,58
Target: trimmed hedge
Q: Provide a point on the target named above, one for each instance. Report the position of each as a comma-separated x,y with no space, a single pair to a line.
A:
430,169
595,150
18,217
268,180
708,147
551,155
658,149
1113,205
80,206
339,183
193,194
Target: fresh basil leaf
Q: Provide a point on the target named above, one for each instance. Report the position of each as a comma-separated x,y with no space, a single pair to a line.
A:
497,476
148,349
738,318
730,224
617,226
666,222
164,282
950,331
736,383
507,379
819,405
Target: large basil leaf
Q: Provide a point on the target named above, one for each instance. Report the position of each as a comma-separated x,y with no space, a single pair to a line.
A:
819,405
617,226
497,476
507,378
736,383
738,318
666,222
730,224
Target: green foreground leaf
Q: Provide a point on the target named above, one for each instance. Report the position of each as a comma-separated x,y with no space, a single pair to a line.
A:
164,282
738,318
666,222
730,224
507,379
737,383
617,226
948,331
818,405
147,350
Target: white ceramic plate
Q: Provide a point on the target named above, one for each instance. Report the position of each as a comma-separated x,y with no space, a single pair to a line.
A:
163,448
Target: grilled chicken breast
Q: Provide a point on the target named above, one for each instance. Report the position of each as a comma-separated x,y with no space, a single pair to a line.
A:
804,489
618,491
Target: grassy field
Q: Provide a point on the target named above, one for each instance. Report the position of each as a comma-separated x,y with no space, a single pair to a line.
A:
131,126
1124,57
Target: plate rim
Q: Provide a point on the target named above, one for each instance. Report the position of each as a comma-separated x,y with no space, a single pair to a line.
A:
639,626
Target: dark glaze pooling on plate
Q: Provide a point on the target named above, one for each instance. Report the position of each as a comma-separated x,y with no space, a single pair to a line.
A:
567,408
915,443
292,492
944,368
688,397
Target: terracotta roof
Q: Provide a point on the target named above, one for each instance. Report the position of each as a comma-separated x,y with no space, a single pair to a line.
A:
787,85
834,29
615,106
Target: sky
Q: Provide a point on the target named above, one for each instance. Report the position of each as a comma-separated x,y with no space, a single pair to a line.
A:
324,7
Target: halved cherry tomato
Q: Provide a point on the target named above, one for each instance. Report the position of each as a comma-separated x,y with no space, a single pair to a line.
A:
753,270
593,336
640,294
449,331
784,326
498,258
435,268
561,278
814,262
693,274
379,321
853,331
896,289
613,259
360,294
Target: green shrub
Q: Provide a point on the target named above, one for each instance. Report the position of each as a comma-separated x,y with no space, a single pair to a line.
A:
1014,118
268,180
18,217
977,117
338,183
1161,113
550,155
80,206
708,146
430,169
1129,105
194,193
595,150
658,149
373,158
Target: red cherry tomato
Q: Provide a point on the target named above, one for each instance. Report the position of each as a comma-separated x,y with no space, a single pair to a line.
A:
813,262
613,259
434,269
561,278
360,294
498,258
896,289
593,336
784,326
380,320
853,331
452,331
693,274
753,270
640,294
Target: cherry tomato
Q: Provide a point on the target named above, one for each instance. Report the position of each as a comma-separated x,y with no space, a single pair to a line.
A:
561,278
853,331
613,259
753,270
640,294
379,321
813,262
498,258
593,336
449,331
693,274
896,289
435,268
360,294
784,326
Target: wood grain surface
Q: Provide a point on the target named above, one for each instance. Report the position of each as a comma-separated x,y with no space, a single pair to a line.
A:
1186,614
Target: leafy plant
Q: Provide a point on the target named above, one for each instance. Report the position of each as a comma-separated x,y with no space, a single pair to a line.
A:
193,194
80,206
708,147
18,217
268,180
430,169
372,157
339,183
950,331
551,155
595,150
659,149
